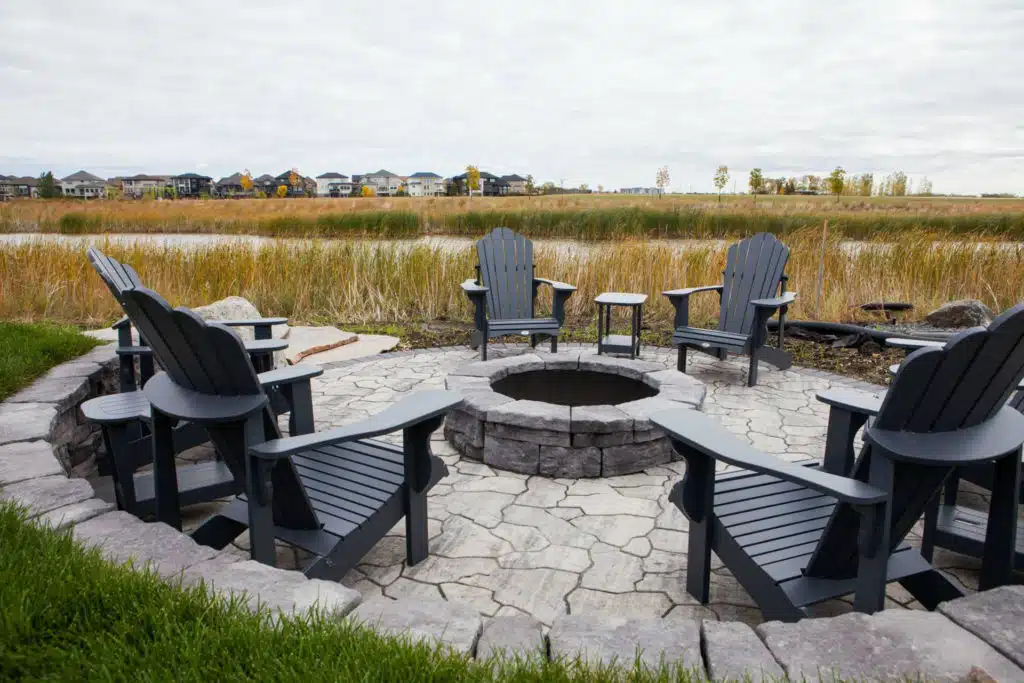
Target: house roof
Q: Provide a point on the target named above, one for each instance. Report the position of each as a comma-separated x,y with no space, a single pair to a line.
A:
424,174
23,180
83,175
194,176
265,178
513,178
332,174
356,177
384,172
484,175
233,179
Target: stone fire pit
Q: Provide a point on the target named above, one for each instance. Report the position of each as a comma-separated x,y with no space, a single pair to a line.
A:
566,415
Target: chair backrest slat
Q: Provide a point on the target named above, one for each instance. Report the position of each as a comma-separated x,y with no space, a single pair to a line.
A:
935,391
506,268
753,270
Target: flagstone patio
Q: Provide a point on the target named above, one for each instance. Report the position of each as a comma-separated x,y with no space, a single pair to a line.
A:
507,543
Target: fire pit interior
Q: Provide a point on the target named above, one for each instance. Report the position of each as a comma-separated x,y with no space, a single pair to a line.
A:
573,387
570,414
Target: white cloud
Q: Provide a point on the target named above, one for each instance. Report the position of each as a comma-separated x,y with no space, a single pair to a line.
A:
597,92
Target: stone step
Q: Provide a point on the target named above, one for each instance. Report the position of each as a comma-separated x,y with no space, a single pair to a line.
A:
306,341
452,624
366,345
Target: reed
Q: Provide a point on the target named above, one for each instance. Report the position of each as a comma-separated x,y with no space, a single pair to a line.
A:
381,282
591,217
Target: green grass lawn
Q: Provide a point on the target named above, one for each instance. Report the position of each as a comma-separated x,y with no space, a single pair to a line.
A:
67,614
27,350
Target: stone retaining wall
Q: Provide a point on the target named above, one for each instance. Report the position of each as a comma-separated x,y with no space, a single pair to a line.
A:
983,631
48,409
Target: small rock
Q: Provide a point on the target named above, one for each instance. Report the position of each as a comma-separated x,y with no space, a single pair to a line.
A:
964,313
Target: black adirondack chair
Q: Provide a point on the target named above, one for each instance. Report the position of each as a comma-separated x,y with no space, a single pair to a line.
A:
504,293
946,524
119,276
125,419
753,289
796,535
334,494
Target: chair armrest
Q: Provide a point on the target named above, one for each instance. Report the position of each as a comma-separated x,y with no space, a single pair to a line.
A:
554,284
471,288
776,302
987,441
289,375
852,401
679,293
411,410
253,322
680,299
709,437
123,322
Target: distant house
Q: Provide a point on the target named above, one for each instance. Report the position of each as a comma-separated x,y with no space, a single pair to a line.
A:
142,185
512,184
265,183
333,185
425,184
15,187
640,190
490,184
83,184
303,186
191,185
384,183
229,186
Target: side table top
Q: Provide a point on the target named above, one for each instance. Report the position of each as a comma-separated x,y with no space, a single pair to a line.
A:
621,299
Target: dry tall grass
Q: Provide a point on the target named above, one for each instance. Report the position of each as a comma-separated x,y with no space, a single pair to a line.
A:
577,216
360,282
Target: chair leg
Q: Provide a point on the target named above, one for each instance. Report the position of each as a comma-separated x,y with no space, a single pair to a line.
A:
554,343
533,341
931,519
483,347
752,372
681,360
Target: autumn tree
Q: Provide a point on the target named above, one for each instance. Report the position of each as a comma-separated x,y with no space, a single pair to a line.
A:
836,181
865,183
925,189
246,181
756,181
282,191
789,187
530,187
721,180
662,179
47,187
898,184
584,188
472,179
367,191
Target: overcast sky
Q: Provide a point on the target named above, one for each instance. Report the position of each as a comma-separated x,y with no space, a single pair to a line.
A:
595,92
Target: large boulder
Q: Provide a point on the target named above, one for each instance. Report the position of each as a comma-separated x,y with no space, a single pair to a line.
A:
239,308
965,313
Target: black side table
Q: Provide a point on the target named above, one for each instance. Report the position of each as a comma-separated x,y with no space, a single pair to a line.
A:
619,343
